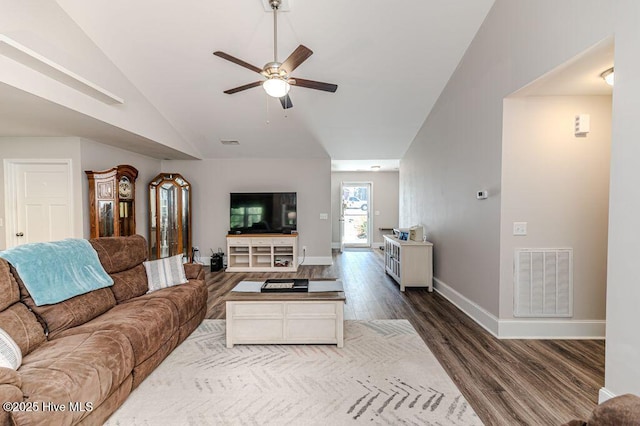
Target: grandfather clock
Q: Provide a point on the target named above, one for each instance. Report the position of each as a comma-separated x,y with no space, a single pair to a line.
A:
112,201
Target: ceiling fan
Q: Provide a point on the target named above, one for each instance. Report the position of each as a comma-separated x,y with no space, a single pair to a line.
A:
278,75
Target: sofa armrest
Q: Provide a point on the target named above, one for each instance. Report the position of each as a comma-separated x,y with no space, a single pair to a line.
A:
10,377
194,271
10,382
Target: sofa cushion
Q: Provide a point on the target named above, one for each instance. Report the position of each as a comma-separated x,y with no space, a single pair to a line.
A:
163,273
9,392
129,284
72,312
23,327
147,323
194,271
55,271
188,298
83,368
118,254
9,291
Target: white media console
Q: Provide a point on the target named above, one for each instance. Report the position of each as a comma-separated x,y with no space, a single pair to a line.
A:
262,253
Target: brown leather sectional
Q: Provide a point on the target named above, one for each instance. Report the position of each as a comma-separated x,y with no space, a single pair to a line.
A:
88,353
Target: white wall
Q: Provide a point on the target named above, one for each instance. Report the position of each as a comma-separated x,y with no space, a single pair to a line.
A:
458,149
384,200
213,179
42,148
96,156
559,184
43,26
622,369
84,155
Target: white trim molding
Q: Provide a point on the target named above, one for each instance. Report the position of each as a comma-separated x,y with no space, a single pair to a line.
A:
16,51
484,318
522,328
315,260
605,394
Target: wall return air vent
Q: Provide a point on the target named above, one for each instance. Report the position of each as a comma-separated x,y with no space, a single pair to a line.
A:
543,283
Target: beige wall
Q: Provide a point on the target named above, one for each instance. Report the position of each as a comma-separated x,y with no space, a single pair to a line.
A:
84,155
39,148
559,184
96,156
458,149
384,201
213,179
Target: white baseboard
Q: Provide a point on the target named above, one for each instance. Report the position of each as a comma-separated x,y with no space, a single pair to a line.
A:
484,318
605,394
552,329
373,245
315,260
529,328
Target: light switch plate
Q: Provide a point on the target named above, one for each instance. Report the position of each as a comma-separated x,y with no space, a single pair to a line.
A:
519,228
324,216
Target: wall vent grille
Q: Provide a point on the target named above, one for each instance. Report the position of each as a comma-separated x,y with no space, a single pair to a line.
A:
543,283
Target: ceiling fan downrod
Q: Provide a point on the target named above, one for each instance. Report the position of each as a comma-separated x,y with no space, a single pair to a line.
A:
275,5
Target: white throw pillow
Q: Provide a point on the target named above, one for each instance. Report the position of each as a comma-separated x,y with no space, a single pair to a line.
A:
10,353
163,273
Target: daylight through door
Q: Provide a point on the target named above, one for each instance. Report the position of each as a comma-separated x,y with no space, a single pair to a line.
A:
356,203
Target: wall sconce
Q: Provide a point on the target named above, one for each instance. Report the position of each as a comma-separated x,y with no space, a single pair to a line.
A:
608,76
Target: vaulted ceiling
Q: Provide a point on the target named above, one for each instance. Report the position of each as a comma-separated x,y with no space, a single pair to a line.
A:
390,60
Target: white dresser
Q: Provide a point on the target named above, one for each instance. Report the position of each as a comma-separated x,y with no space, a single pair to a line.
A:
410,263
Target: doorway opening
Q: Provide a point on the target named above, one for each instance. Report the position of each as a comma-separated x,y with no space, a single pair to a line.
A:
356,214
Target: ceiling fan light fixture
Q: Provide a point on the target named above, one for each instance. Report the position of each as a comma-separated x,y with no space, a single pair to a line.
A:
608,76
276,87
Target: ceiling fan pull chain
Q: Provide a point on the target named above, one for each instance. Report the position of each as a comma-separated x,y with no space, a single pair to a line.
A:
267,110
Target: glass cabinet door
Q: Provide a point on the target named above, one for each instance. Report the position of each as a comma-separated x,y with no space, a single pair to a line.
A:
169,216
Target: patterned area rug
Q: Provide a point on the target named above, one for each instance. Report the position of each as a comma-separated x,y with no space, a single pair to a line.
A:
384,375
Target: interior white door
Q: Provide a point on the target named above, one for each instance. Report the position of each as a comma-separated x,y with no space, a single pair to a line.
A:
39,201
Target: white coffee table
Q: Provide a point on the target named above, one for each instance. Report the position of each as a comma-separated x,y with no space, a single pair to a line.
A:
315,317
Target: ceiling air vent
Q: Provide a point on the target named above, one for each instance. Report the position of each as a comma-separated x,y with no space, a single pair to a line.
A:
223,142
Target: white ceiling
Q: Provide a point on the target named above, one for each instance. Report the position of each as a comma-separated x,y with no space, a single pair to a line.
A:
390,61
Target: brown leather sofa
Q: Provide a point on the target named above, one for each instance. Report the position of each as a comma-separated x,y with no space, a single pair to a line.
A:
83,357
622,410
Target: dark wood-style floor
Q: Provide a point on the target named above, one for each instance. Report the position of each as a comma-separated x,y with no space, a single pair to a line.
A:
507,382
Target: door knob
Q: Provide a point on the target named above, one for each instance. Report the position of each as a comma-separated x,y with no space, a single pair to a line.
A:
20,234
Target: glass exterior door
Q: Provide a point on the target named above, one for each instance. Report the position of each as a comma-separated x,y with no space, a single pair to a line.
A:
356,223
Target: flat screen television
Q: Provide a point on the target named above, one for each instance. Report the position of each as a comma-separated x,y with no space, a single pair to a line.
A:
263,212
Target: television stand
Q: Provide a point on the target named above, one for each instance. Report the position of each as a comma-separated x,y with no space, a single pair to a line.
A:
262,253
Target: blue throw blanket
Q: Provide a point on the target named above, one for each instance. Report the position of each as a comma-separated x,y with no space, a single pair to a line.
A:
59,270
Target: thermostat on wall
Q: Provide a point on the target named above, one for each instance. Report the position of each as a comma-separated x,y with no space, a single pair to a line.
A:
482,195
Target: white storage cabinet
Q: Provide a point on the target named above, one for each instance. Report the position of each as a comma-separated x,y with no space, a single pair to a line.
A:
410,263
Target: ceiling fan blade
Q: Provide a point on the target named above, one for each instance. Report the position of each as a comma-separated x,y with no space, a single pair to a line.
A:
296,58
310,84
286,102
237,61
241,88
